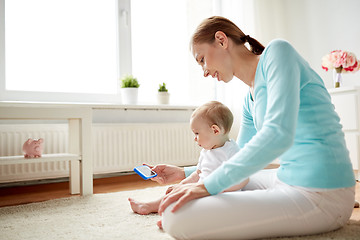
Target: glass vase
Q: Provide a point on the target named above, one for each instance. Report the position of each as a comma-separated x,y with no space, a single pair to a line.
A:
337,77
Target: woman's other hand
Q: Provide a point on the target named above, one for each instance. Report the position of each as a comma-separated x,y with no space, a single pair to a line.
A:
181,194
169,189
167,174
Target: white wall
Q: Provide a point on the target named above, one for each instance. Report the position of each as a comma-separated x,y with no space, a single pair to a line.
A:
314,27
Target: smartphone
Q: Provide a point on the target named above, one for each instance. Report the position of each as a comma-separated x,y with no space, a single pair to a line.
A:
145,172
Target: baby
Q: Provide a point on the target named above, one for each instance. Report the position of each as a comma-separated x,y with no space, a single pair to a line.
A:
211,124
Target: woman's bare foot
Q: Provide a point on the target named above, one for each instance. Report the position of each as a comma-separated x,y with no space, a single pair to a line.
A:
143,208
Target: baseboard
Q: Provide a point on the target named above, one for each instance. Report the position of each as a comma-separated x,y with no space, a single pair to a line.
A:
107,175
58,180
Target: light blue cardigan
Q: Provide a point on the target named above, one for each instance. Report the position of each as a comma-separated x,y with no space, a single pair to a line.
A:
290,117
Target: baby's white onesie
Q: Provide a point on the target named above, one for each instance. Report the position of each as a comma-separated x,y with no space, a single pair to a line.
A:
209,160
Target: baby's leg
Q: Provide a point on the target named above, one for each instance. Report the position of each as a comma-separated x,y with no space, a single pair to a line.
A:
145,208
238,186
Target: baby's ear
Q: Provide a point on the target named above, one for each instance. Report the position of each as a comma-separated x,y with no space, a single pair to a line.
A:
216,129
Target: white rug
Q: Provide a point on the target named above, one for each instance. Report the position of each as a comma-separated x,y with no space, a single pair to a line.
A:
102,216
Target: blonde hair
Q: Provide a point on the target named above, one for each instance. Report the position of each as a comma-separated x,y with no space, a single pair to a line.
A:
205,33
215,113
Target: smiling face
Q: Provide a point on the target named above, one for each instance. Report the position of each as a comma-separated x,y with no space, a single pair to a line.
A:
214,60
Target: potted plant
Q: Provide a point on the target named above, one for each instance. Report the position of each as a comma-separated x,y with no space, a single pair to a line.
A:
163,95
129,89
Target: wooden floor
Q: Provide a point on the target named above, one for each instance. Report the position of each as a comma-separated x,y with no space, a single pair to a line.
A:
10,196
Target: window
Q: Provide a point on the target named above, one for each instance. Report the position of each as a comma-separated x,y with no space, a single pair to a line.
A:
56,50
161,32
160,47
68,48
76,50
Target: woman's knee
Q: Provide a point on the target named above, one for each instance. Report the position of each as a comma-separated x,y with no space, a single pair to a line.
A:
179,225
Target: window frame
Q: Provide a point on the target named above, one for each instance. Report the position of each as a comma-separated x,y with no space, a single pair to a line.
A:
124,65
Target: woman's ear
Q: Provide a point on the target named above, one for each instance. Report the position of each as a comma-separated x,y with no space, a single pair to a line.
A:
216,129
221,38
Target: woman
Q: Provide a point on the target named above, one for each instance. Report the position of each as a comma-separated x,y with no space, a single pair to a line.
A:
287,114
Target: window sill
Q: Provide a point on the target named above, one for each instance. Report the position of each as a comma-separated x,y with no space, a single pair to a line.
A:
99,105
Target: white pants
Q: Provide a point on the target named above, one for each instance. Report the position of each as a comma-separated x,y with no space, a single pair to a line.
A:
266,207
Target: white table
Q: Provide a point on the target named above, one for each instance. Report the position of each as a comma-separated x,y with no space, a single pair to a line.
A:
80,120
347,104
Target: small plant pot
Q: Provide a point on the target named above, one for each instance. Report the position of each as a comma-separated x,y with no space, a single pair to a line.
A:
129,95
163,97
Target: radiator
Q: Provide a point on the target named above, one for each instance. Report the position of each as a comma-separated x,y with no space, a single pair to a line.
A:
115,148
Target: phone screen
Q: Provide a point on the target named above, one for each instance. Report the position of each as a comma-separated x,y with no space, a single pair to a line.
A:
146,171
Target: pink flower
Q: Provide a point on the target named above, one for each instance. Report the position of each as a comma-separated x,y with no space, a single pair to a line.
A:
344,60
353,67
350,60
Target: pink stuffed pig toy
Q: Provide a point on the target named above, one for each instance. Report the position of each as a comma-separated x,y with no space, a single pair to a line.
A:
33,148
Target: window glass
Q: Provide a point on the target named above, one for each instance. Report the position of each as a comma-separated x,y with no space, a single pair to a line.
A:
160,48
61,46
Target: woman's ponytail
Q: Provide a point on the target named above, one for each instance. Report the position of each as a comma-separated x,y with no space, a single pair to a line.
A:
255,46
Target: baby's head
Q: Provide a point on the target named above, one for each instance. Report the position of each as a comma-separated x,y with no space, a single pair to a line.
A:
211,124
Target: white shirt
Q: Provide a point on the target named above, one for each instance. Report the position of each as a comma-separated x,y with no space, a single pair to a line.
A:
209,160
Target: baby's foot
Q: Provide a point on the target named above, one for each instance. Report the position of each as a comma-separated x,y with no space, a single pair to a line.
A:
159,224
142,208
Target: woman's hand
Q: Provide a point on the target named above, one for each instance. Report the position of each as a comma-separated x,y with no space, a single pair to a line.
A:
181,194
169,189
167,174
